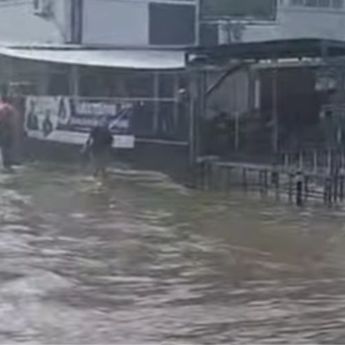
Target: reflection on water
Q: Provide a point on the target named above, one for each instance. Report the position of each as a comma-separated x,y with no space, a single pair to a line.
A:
140,259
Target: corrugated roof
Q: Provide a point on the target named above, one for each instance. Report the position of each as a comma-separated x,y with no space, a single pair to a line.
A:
117,58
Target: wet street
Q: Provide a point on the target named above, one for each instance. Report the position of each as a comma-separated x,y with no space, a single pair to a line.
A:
141,260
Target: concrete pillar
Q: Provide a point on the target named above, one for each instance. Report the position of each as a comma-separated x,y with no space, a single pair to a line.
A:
74,81
275,115
156,103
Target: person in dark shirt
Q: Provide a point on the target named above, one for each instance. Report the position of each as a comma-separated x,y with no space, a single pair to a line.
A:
99,145
6,142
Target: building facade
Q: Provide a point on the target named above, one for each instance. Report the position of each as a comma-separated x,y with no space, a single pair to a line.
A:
99,22
281,19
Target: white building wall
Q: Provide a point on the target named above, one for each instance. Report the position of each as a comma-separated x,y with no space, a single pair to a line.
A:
20,25
115,22
120,22
294,20
104,22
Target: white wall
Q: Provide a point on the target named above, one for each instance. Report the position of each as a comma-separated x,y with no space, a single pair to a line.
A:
312,22
119,22
19,24
105,22
115,22
296,22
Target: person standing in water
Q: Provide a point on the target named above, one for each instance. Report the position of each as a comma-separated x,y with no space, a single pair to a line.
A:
98,146
8,118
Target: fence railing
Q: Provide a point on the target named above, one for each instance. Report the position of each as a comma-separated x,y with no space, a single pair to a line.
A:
323,161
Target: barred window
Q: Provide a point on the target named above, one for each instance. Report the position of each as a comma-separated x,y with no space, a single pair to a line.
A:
335,4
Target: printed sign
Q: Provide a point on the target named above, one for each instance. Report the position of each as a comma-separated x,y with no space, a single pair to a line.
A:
64,120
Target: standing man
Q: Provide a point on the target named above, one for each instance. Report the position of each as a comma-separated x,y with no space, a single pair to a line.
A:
8,125
99,145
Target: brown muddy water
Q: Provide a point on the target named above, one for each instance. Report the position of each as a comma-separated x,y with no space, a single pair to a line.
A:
141,260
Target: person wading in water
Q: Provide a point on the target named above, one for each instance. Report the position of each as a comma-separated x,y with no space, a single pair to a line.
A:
8,117
98,146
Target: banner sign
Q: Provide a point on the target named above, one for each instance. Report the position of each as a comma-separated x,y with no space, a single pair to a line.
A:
66,120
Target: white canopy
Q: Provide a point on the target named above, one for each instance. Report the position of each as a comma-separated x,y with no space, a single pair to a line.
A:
117,58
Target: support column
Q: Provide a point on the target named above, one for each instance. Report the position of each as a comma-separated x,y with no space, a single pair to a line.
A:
237,114
192,96
74,82
237,131
176,102
275,115
44,79
201,112
156,102
197,106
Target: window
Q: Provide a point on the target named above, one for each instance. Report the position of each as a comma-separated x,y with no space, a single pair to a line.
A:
337,3
261,9
172,24
332,4
324,3
297,2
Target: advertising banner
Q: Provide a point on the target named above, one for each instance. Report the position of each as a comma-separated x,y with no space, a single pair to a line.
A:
66,120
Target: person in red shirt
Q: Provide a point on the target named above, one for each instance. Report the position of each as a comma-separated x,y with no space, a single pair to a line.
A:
8,117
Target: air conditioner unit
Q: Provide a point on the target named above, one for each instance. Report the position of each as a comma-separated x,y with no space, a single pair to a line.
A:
43,8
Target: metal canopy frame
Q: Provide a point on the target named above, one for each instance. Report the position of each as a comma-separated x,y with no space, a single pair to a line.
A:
199,59
266,50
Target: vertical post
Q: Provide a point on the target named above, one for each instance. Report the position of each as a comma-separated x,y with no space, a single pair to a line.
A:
315,161
335,188
198,18
11,72
275,117
76,22
196,111
216,176
341,186
266,181
290,187
306,187
228,179
237,131
74,81
176,102
329,161
192,148
341,164
276,182
286,160
244,178
261,188
300,160
236,108
328,191
299,189
156,103
44,75
339,136
201,111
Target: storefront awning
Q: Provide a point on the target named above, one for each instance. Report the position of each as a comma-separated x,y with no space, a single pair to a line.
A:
120,58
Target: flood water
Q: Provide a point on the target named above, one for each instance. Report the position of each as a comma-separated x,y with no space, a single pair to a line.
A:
142,260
